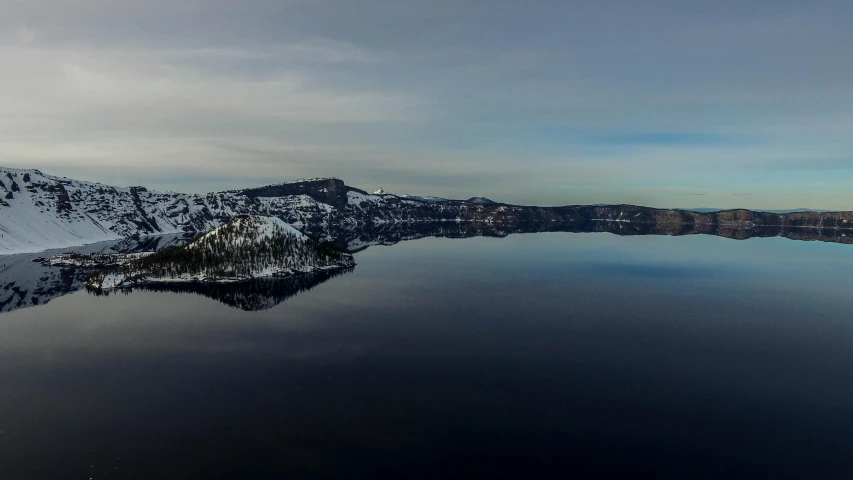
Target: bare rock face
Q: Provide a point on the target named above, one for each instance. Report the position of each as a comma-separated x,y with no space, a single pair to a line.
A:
330,191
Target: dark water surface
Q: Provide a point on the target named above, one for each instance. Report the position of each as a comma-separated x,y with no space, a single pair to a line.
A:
533,356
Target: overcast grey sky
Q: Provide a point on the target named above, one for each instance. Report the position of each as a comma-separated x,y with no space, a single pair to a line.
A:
663,102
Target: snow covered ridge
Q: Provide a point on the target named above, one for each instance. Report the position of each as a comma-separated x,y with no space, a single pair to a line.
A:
40,211
245,248
424,199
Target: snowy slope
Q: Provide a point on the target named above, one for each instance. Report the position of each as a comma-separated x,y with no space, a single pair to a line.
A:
39,211
31,219
236,232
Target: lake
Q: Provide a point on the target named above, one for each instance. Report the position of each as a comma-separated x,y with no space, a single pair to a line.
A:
548,355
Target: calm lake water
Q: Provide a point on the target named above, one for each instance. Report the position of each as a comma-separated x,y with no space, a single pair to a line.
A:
533,356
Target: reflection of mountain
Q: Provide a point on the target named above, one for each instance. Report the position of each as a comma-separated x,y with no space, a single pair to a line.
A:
24,283
254,295
390,234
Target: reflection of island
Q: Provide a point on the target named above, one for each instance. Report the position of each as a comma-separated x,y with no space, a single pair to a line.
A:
24,283
255,295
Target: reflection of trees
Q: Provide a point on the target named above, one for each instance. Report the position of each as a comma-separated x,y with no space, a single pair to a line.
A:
253,295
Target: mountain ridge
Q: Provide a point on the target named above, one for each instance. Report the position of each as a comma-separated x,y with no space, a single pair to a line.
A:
40,211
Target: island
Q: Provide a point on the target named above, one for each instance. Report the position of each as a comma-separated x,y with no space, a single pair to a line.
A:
244,248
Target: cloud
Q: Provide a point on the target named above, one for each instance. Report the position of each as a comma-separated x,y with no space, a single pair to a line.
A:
24,35
53,82
818,163
115,109
549,102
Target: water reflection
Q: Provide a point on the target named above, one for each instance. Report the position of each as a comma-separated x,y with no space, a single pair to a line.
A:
251,296
531,356
26,283
389,234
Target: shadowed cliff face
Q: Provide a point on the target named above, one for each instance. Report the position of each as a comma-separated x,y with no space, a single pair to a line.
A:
328,190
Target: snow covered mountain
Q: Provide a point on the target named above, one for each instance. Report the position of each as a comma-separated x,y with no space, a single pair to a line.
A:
424,199
482,200
40,211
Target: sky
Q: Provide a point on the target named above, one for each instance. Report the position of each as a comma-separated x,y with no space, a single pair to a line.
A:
667,103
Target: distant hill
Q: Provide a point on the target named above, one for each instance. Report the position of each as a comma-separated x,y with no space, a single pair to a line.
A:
424,199
780,212
480,200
